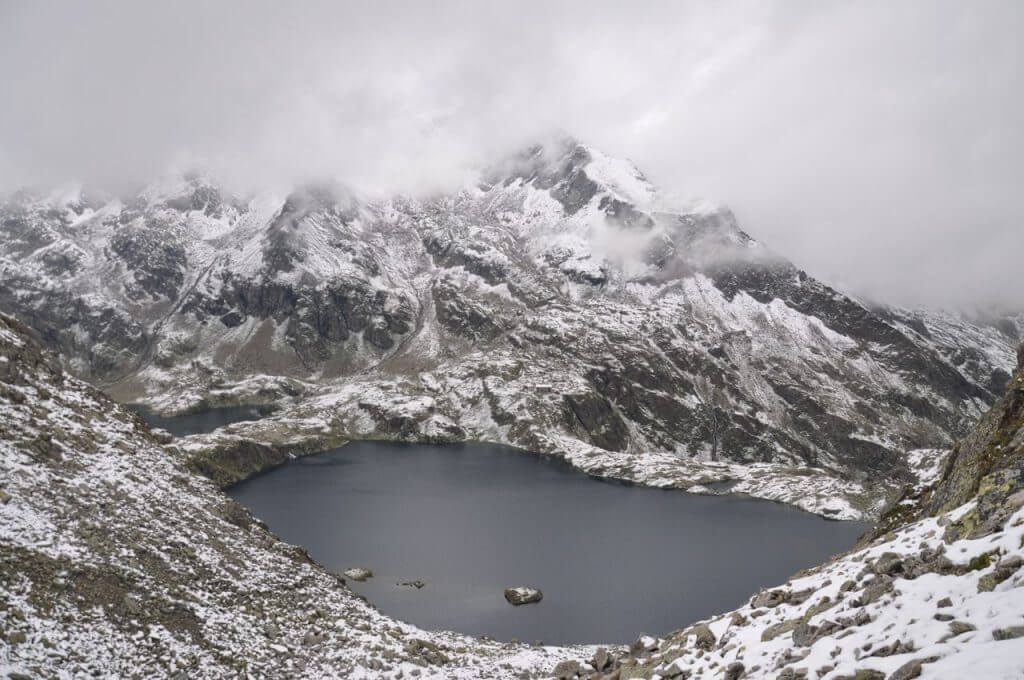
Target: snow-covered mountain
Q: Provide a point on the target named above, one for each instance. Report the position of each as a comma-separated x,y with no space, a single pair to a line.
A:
557,304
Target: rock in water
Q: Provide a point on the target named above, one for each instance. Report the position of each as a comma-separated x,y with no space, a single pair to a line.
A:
523,595
358,573
417,584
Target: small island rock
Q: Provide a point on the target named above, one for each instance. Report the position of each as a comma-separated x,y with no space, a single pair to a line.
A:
358,573
417,584
523,595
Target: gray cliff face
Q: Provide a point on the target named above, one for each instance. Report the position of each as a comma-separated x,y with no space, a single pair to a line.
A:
986,466
558,299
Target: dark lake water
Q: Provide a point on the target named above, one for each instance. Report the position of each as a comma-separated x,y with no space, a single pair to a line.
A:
469,520
203,421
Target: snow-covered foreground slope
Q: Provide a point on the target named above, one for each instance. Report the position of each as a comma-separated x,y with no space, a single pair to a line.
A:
557,305
910,601
120,559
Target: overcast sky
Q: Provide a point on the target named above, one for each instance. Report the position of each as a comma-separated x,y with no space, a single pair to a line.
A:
877,145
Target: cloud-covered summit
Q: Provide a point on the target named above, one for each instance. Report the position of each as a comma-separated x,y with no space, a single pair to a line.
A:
877,143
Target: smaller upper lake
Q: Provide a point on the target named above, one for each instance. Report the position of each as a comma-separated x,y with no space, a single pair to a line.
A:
201,422
469,520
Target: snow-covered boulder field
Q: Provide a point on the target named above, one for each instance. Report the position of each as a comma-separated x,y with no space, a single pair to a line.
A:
907,606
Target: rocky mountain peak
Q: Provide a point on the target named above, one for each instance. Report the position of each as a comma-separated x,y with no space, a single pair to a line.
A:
574,173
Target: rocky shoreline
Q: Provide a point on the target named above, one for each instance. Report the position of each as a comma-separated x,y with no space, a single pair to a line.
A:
240,450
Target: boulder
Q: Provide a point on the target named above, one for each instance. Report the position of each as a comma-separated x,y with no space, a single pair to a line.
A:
705,638
734,671
888,564
770,598
644,643
910,669
1010,633
313,638
1004,570
523,595
804,635
358,573
566,669
960,627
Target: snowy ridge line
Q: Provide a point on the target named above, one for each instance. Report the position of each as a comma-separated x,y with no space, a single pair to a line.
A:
556,305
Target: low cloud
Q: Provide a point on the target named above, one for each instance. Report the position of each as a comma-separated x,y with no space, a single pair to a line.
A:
878,145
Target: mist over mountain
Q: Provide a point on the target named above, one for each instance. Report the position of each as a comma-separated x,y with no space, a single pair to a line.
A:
876,145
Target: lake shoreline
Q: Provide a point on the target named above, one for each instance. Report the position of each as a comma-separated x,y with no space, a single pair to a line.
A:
235,459
487,465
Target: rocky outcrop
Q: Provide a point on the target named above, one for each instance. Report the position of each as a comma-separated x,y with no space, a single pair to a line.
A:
520,595
157,263
986,466
99,342
358,573
236,460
